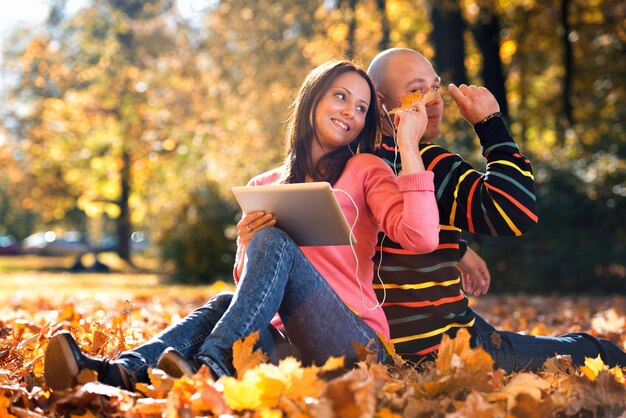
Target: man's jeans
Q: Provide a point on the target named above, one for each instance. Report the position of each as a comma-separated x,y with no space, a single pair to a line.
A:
526,352
278,278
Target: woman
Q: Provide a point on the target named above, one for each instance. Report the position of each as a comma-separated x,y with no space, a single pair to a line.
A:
323,295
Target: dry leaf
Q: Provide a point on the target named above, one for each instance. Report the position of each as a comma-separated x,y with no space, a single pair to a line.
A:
608,321
529,407
352,395
245,357
475,406
496,339
408,100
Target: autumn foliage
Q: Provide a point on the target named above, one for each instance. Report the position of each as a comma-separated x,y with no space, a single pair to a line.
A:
460,383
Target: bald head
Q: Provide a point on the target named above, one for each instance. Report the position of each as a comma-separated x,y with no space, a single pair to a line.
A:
398,71
385,66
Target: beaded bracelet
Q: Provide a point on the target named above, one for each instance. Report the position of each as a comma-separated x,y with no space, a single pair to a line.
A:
493,115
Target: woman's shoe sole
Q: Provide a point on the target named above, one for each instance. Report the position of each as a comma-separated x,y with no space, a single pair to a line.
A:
175,365
60,368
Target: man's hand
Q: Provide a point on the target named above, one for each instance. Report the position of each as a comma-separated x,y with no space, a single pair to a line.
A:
475,103
474,273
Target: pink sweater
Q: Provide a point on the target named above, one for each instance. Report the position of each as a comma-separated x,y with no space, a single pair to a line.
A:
404,207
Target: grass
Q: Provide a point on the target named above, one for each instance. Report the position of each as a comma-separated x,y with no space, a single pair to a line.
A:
32,276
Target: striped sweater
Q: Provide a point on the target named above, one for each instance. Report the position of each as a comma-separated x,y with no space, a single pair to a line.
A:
424,298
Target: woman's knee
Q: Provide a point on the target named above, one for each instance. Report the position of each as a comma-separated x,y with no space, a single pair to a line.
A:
269,237
270,233
220,302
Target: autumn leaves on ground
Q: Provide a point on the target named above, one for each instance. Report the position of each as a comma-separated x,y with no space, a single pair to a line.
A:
115,312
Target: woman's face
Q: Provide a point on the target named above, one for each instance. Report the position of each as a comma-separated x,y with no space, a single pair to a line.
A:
341,112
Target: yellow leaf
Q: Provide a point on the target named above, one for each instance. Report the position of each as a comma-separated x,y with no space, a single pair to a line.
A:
244,355
592,367
271,413
391,349
333,363
300,382
244,394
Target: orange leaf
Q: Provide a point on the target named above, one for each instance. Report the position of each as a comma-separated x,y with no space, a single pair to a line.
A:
244,355
408,100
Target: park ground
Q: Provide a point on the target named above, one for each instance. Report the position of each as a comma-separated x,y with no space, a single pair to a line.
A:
119,310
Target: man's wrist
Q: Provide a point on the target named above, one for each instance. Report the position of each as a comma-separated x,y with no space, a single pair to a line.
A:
488,118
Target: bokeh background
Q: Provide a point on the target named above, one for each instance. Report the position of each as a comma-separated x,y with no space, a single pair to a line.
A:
124,123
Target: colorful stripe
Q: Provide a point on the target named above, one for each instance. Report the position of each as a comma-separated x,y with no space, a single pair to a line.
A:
433,332
456,195
415,286
514,201
510,164
470,221
423,303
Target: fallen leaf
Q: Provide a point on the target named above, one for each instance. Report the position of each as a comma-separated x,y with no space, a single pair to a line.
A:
245,357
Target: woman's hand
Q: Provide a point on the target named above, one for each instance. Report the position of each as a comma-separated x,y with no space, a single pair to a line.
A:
251,223
411,127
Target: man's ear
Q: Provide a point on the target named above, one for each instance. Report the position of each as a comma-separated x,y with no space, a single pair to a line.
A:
380,99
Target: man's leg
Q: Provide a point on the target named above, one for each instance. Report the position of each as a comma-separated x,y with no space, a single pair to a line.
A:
514,352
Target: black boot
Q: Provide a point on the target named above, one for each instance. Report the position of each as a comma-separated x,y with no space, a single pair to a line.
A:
63,361
175,364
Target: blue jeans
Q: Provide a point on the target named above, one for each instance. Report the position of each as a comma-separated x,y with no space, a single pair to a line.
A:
526,352
277,278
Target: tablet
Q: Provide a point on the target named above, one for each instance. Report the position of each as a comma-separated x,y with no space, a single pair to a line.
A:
308,212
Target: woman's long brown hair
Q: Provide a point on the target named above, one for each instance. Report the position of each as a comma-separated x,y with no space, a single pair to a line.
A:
301,129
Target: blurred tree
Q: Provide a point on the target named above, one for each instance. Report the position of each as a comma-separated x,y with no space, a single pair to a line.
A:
128,101
448,40
110,91
200,244
486,30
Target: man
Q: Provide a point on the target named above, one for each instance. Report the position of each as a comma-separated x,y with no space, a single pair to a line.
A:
422,294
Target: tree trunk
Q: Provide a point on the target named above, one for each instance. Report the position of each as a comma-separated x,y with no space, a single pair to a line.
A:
568,62
447,36
123,221
351,17
486,32
385,27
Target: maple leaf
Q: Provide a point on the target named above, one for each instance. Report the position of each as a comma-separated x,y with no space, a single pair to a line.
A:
608,321
5,403
603,393
386,413
352,395
244,355
408,100
160,384
207,399
333,363
475,406
100,339
521,383
242,394
529,407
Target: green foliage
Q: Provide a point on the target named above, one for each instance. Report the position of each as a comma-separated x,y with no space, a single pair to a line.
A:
198,242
